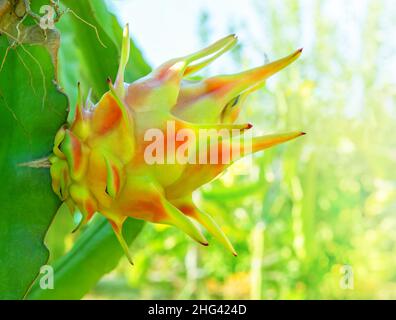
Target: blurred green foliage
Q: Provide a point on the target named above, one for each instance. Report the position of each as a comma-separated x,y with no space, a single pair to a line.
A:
313,219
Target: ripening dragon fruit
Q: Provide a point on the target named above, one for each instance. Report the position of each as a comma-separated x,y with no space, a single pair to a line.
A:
98,162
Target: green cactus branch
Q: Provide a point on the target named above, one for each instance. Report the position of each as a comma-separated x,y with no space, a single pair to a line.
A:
28,118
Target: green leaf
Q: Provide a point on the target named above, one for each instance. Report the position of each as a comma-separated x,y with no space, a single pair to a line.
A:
94,254
83,57
31,111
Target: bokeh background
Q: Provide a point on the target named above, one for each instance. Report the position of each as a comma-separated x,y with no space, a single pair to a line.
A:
311,219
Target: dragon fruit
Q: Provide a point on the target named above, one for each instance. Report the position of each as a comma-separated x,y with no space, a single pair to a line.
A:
99,165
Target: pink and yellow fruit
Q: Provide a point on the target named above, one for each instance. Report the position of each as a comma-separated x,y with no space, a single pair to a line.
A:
98,163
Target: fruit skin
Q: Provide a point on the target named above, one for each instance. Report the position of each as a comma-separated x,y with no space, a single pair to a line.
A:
98,162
